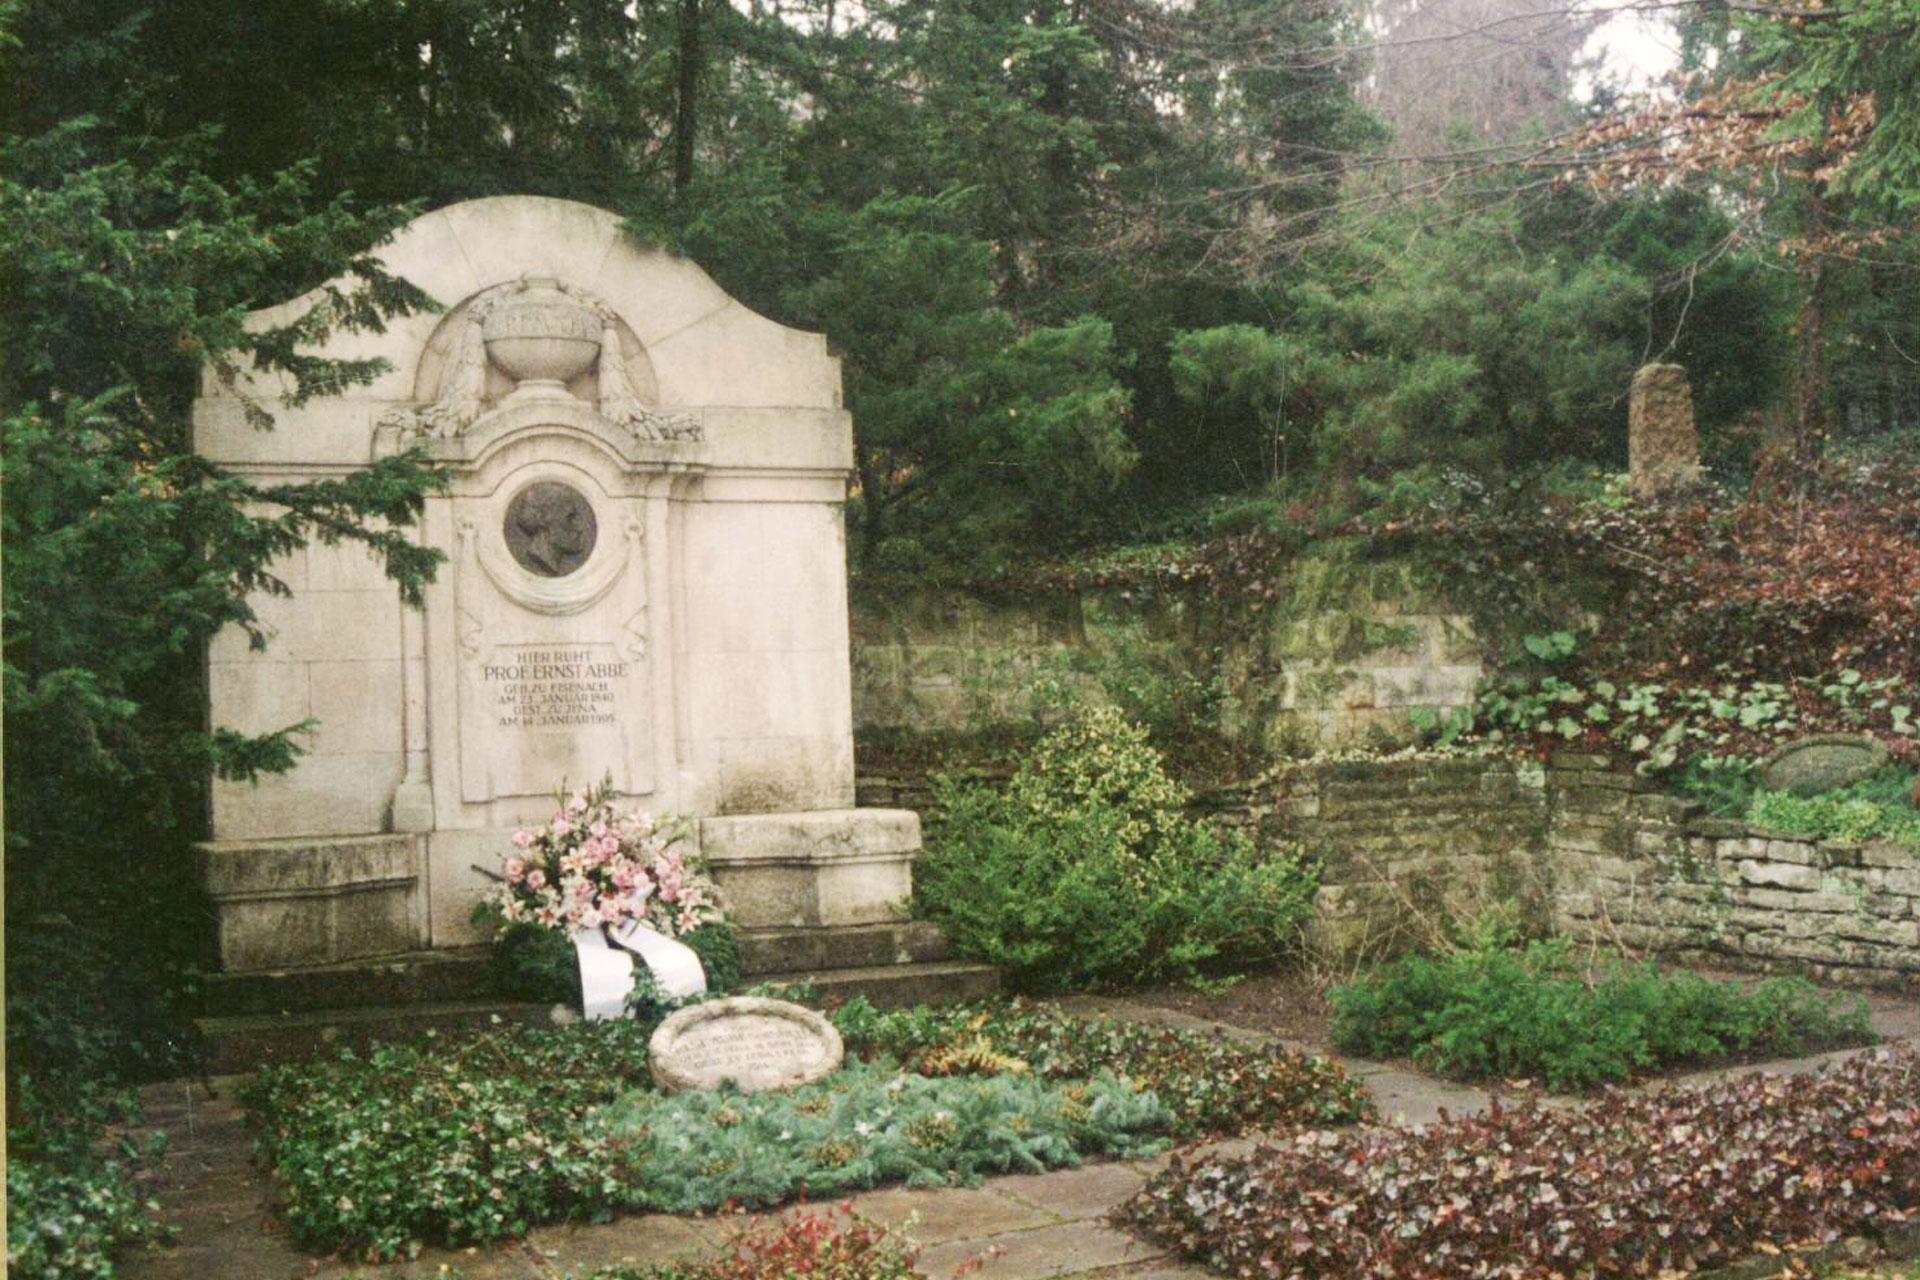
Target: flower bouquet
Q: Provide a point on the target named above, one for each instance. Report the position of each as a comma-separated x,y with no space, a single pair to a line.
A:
592,867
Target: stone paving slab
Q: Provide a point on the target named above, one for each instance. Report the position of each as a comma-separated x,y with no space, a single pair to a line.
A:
637,1241
1088,1192
937,1216
1065,1249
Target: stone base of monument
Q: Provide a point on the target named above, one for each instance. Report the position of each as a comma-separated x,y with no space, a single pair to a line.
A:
323,942
287,1015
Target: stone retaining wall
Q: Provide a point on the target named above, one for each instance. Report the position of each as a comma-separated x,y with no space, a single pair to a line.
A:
1343,654
1410,848
1581,848
1652,872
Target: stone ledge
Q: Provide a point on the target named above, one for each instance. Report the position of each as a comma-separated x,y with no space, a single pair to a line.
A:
829,868
242,869
824,836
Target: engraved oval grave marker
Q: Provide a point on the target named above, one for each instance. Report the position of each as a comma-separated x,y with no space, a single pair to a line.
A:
752,1041
1825,762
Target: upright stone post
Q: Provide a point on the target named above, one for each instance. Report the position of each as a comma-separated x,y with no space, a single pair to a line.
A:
1663,449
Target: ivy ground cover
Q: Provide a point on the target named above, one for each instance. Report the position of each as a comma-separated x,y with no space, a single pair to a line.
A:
467,1143
1647,1185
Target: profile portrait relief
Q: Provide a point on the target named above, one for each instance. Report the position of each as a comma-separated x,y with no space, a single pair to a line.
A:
550,528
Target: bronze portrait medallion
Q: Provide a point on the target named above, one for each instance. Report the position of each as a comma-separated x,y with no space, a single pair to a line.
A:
550,528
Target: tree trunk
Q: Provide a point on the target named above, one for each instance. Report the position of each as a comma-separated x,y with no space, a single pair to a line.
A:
1810,354
687,93
872,518
1810,371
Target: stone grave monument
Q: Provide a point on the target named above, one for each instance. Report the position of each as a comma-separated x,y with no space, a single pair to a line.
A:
645,575
1663,446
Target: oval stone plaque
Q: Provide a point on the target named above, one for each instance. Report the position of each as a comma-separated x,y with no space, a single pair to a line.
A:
550,528
1825,762
752,1041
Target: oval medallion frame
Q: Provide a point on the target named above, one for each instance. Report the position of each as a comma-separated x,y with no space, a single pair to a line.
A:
618,534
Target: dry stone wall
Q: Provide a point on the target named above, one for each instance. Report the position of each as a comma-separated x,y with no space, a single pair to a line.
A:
1652,872
1581,847
1343,657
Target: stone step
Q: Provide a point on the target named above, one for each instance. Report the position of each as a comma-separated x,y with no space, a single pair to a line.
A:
419,977
245,1041
894,986
764,951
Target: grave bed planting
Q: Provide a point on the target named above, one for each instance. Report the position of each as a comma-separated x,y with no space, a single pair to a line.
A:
1546,1013
477,1141
1211,1084
1628,1185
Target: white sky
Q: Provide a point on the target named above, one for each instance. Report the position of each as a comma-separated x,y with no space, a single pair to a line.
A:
1634,47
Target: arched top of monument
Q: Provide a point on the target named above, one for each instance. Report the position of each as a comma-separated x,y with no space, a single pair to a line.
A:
683,343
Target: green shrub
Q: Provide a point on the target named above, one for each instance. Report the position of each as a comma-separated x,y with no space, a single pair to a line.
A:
80,1029
70,1205
1209,1084
1492,1012
1086,872
1880,808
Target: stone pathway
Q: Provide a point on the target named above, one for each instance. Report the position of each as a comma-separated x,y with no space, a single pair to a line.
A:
1025,1227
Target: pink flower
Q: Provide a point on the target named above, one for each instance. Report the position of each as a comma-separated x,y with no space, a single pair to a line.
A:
515,869
536,879
560,825
523,839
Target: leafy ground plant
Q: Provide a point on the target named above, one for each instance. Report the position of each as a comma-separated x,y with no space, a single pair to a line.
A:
1879,808
821,1246
1490,1011
478,1142
459,1143
1657,1184
1208,1083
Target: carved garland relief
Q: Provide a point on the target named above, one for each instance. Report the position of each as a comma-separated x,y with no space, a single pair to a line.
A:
541,334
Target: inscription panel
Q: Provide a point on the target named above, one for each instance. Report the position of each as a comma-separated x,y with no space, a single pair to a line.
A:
564,687
754,1043
551,690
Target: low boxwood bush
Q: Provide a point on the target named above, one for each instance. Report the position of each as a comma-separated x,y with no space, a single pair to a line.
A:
1490,1011
1656,1184
1208,1083
1085,871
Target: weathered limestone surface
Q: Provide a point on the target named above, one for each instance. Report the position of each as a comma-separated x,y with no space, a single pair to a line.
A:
1663,447
1345,657
645,564
1674,880
748,1041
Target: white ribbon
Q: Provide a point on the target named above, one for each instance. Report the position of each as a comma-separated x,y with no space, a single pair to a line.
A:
607,969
